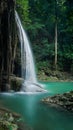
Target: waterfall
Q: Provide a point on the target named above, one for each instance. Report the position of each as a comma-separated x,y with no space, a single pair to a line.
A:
27,62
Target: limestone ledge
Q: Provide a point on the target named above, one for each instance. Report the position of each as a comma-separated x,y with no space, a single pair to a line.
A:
63,100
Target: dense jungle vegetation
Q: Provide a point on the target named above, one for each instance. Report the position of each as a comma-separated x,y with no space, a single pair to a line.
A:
49,25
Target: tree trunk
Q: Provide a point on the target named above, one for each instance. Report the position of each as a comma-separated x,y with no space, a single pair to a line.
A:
6,14
56,37
56,45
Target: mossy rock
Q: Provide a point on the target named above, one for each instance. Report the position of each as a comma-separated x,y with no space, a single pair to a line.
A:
64,100
16,83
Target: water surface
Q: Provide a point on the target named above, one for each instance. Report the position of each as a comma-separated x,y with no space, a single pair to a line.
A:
38,115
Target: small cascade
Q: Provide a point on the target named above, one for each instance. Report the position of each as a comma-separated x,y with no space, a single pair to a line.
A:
27,61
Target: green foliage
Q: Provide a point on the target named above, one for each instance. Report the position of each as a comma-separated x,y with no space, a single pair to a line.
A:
23,10
44,65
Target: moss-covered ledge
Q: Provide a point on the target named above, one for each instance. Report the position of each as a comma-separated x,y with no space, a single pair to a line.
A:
63,100
11,121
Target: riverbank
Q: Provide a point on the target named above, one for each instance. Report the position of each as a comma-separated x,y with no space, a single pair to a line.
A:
53,76
63,100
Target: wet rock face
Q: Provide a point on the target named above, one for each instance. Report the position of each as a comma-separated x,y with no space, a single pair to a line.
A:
6,14
32,87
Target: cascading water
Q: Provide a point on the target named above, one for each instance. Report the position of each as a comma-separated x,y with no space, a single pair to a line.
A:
27,62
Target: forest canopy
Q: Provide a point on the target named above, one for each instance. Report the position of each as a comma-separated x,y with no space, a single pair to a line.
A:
40,18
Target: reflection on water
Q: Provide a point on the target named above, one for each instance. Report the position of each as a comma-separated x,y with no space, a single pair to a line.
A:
39,116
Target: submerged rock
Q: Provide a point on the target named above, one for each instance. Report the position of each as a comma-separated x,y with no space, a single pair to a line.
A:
64,100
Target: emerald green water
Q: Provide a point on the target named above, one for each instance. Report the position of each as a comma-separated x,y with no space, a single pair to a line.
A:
58,87
38,115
